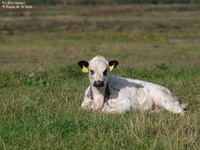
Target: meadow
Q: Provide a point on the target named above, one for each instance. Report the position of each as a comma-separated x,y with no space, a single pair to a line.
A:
42,87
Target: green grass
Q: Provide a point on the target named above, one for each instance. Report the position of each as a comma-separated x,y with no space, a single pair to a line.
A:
40,109
42,87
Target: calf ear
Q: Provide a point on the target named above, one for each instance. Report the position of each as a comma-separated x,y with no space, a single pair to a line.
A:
113,64
84,66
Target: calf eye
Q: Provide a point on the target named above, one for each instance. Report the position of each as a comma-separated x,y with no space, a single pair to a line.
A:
91,72
105,72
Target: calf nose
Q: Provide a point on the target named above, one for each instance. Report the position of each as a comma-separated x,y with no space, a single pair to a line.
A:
98,83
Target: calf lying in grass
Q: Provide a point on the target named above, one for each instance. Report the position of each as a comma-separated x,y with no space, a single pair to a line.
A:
116,94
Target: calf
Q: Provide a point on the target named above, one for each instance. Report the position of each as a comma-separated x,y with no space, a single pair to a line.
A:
116,94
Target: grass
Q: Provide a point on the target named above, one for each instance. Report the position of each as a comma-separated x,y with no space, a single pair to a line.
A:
41,109
23,51
41,86
125,32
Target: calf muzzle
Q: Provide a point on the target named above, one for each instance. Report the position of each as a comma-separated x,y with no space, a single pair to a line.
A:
98,84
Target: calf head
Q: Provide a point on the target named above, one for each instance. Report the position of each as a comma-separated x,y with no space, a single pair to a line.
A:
98,69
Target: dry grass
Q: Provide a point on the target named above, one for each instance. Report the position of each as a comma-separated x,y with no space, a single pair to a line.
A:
57,35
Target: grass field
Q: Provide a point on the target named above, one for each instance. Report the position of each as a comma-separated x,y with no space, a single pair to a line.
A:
41,86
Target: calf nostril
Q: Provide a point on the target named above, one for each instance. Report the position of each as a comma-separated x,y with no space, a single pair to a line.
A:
101,83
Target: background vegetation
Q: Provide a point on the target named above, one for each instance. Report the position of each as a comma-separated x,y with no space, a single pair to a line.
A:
41,86
97,2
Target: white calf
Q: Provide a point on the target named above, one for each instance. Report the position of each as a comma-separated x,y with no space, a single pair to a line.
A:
116,94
